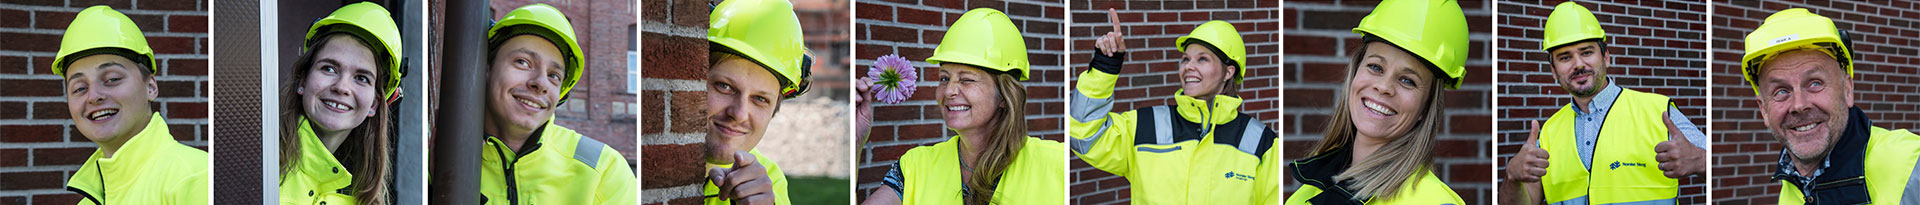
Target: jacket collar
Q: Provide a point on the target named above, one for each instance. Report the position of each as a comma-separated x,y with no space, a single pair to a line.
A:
1223,109
1844,162
1319,171
319,163
533,143
126,163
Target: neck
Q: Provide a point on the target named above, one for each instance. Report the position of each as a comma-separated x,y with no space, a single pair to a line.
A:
1807,167
1582,101
513,138
1363,147
332,139
109,147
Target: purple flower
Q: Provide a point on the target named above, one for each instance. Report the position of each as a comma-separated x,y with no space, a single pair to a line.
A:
893,79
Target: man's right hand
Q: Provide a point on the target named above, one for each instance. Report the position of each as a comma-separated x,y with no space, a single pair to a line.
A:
1114,41
1531,162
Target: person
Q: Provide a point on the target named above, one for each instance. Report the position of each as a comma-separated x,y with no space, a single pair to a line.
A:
1647,143
1801,67
528,159
109,71
334,137
982,60
757,59
1161,149
1379,143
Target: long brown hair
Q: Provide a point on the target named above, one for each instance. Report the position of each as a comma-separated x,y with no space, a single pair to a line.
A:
366,145
1382,174
1009,135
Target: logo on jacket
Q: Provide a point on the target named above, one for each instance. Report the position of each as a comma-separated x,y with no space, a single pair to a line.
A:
1617,164
1239,176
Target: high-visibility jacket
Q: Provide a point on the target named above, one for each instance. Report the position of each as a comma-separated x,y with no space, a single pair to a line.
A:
1623,166
318,178
1316,174
1868,165
774,176
932,174
557,166
151,168
1188,153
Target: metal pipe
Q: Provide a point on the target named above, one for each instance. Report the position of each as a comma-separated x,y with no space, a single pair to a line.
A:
457,130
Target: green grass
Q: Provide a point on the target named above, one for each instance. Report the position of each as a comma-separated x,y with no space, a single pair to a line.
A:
818,190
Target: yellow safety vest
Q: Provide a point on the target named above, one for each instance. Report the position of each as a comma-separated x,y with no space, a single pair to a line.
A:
563,167
1623,166
1188,153
318,178
932,174
1418,189
1890,160
777,177
151,168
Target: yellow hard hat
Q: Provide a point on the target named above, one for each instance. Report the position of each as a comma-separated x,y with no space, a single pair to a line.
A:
1221,37
1435,30
374,27
547,22
985,38
766,32
102,30
1794,29
1571,23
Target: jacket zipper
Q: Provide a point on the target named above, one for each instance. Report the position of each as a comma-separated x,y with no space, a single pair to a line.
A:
513,193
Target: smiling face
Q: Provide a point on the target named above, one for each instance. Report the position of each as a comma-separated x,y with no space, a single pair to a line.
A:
1202,74
1581,68
969,96
107,97
525,86
1804,96
741,97
339,90
1387,92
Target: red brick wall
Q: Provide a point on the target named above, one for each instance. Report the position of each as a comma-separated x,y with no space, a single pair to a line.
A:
1884,85
1656,47
1153,66
39,147
913,31
673,100
1319,35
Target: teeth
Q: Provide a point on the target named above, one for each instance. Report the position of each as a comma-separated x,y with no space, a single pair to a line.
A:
102,114
530,103
1805,128
1380,109
959,108
1193,80
336,105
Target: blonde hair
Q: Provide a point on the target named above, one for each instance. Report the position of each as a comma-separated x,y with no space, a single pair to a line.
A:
365,146
1009,135
1388,168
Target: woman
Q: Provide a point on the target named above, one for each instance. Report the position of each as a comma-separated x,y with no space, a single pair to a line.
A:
992,161
334,121
1378,148
1177,154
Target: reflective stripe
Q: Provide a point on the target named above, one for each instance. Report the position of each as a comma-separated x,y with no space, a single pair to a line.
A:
588,151
1158,150
1911,195
1250,138
1088,109
1582,200
1162,125
1084,145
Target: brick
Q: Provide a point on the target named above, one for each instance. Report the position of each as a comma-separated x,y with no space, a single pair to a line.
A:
51,110
170,5
32,133
61,156
187,23
32,180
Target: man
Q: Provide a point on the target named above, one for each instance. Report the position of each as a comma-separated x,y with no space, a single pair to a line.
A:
757,58
529,160
1800,67
1646,143
108,71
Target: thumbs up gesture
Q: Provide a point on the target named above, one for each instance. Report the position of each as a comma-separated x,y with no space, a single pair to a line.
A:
1679,157
1531,163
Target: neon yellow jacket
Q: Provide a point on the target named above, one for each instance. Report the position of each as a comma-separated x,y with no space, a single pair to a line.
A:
1189,153
932,174
1867,165
151,168
1623,169
1419,189
778,178
318,178
558,166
